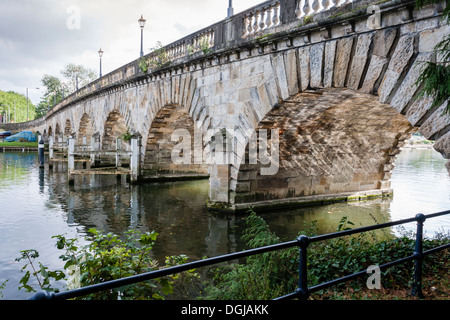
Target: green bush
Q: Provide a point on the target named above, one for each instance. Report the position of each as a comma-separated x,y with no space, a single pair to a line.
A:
106,257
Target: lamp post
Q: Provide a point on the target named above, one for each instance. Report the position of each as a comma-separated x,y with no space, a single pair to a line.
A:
230,8
141,25
100,54
27,103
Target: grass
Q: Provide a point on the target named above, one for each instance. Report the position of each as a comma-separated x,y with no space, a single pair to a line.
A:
19,144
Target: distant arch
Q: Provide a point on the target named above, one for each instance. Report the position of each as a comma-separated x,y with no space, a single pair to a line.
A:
85,130
67,128
172,150
115,127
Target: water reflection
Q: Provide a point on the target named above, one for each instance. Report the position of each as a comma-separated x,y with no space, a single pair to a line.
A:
37,204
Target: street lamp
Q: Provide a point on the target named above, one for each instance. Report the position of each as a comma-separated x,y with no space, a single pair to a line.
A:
230,8
27,102
100,54
142,24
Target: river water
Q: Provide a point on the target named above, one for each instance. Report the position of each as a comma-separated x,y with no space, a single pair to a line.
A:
36,204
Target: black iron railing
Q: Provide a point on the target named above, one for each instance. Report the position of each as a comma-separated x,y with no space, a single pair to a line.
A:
302,242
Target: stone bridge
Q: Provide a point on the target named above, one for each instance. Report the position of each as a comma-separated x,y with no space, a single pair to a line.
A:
284,104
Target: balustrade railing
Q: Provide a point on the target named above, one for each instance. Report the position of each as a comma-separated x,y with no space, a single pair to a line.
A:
262,18
308,7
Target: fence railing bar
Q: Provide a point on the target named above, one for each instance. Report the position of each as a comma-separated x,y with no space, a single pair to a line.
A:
343,233
430,251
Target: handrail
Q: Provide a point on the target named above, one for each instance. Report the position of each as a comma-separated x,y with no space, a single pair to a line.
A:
302,242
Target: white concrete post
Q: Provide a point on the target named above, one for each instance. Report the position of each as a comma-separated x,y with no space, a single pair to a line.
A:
50,148
118,146
71,159
135,160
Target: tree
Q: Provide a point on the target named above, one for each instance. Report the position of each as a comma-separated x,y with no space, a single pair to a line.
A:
78,75
15,104
58,89
435,77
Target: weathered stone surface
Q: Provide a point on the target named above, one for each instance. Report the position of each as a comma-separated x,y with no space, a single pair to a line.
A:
330,52
316,62
430,38
343,53
382,43
418,109
438,121
400,59
305,75
290,61
442,146
376,65
408,86
359,60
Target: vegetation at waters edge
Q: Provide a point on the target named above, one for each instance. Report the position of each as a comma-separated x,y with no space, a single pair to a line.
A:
106,257
270,275
19,144
19,112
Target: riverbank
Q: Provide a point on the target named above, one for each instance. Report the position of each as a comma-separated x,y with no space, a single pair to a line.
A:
18,146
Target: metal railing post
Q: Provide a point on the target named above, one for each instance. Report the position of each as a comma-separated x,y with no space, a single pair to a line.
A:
302,290
418,253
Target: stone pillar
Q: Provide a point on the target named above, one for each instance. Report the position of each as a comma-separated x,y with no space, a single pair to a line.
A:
95,146
220,172
135,160
50,151
118,146
71,159
219,180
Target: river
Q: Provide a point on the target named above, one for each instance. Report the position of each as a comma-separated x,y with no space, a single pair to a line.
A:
37,204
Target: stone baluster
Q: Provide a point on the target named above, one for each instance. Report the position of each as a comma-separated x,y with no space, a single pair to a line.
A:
276,18
306,8
269,17
211,41
262,22
298,9
249,27
315,6
245,32
255,23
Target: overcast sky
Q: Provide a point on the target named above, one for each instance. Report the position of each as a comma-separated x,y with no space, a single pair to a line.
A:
40,37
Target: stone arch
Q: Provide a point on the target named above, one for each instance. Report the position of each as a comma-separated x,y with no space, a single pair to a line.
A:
114,128
50,131
333,144
57,130
85,129
174,146
67,128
